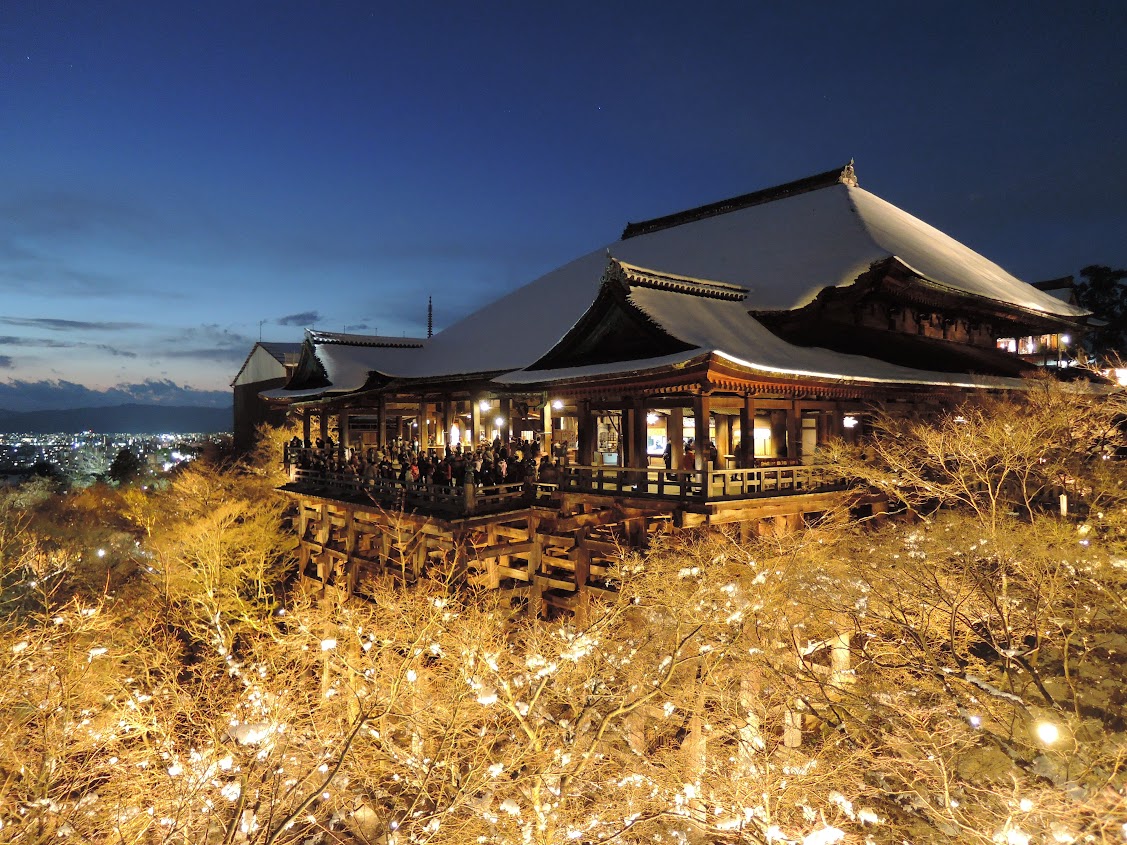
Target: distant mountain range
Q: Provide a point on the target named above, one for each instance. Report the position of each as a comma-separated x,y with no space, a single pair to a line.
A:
126,419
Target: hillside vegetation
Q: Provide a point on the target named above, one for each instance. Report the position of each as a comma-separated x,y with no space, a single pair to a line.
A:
952,674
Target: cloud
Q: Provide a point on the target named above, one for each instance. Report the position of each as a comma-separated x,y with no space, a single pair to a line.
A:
303,318
50,343
6,362
56,325
48,394
208,342
113,350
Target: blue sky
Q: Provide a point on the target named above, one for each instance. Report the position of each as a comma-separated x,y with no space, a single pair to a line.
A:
181,176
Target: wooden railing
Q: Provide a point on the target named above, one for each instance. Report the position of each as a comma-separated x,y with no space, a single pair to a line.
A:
699,486
434,498
708,484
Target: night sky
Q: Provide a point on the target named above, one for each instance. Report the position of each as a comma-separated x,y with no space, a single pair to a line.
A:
179,176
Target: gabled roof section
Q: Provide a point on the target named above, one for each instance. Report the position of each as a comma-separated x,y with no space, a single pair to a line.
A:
283,353
713,209
614,329
335,362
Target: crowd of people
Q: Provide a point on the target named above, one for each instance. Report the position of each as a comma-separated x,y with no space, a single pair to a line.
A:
486,465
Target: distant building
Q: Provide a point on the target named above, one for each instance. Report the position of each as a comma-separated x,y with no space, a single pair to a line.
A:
267,366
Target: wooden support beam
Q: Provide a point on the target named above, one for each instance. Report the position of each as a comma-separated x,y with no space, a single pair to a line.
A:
587,434
447,421
746,452
491,560
502,549
702,411
381,421
794,432
535,555
639,458
582,574
475,422
675,434
506,416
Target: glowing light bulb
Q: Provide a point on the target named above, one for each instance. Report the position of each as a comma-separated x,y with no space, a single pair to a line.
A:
1047,732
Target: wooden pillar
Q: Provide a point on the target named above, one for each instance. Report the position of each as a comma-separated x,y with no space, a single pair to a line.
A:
746,457
546,427
587,434
381,422
701,412
351,564
305,420
492,576
778,434
582,575
723,438
446,421
535,556
345,433
475,422
422,425
323,424
639,459
506,416
675,434
794,431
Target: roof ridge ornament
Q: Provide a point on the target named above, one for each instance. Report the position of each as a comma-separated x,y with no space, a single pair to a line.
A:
848,177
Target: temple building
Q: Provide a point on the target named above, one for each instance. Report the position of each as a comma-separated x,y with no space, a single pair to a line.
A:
752,329
267,366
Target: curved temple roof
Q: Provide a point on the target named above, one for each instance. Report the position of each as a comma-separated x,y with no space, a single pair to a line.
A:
782,247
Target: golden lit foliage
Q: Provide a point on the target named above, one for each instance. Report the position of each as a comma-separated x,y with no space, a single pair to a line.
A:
842,684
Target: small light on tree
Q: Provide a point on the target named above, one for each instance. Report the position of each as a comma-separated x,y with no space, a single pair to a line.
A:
1047,732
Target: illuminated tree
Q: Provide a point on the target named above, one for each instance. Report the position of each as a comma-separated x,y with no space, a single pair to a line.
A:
841,684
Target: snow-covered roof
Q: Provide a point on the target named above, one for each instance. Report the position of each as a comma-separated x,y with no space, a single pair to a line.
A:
714,319
280,351
277,352
784,252
782,246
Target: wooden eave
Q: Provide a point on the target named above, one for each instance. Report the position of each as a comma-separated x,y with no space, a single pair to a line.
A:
893,279
711,373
